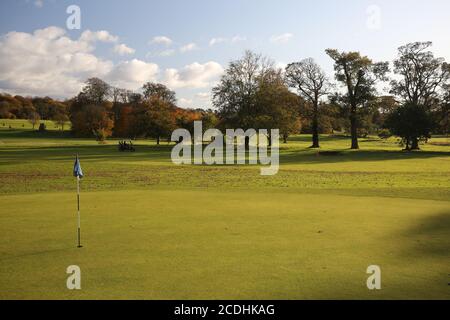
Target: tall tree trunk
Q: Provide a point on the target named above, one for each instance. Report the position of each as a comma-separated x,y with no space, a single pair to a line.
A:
158,140
407,148
354,129
315,127
415,144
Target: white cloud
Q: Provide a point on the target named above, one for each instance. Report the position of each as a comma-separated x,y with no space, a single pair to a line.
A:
282,38
203,95
161,40
219,40
185,103
123,49
194,75
47,62
39,3
238,39
162,53
166,53
281,65
188,47
93,36
215,41
132,74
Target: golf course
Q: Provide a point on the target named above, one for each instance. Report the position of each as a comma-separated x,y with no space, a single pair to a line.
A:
155,230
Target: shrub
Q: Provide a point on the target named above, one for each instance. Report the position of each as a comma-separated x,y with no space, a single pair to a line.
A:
385,134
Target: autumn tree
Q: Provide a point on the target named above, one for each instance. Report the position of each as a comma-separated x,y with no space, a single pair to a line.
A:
311,83
90,111
92,120
155,118
359,75
123,125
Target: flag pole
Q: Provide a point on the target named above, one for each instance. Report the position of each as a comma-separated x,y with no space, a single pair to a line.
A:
78,211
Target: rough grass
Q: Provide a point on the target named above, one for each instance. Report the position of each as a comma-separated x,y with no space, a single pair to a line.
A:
159,231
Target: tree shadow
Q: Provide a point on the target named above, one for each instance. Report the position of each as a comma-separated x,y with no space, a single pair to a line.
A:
355,155
34,134
432,235
93,153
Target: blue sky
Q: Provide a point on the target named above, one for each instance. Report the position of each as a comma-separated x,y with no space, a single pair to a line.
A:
39,63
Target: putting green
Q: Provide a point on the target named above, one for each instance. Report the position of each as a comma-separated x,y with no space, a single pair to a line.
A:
211,244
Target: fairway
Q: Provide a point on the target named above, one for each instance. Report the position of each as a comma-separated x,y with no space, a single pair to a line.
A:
154,230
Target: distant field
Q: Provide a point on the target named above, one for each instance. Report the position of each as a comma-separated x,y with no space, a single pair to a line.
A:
155,230
22,124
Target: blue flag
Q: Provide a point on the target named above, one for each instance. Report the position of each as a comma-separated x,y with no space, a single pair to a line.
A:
77,172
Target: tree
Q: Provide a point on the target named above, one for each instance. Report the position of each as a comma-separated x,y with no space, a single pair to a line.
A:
252,94
443,112
96,91
61,119
34,118
234,96
155,119
311,83
421,76
158,90
123,125
92,120
277,107
90,110
359,75
410,121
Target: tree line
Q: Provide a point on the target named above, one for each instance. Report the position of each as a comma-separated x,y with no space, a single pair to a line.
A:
254,93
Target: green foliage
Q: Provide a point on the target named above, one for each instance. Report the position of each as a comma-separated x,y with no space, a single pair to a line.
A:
359,75
384,134
253,94
159,91
155,119
410,122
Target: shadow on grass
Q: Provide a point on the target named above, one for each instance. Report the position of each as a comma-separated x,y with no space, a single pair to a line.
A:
432,235
34,134
356,155
11,155
322,138
14,155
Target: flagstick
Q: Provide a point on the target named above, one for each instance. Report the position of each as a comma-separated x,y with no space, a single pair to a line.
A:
79,219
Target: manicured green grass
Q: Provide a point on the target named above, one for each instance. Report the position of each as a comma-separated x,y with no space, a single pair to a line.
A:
155,230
